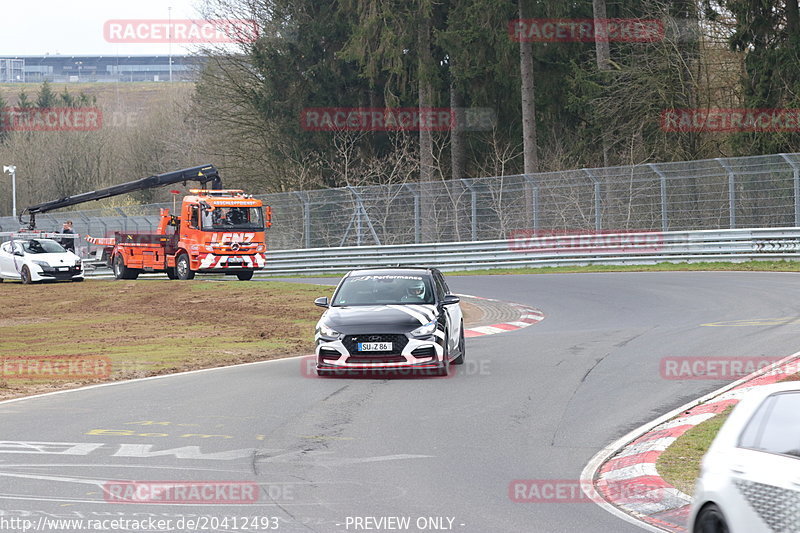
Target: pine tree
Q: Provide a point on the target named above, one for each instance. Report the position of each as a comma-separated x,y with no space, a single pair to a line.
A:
46,98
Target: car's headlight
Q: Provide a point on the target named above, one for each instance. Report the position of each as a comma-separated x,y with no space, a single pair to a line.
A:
43,264
78,263
427,330
327,331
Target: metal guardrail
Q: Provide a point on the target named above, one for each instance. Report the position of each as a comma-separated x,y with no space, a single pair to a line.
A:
554,250
573,249
726,193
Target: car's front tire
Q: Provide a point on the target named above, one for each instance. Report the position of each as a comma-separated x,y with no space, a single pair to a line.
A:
25,275
710,520
462,348
77,280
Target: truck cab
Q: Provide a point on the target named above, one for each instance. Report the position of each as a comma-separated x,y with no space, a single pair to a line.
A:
219,231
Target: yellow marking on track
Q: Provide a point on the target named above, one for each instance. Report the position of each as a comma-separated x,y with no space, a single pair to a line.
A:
131,433
324,437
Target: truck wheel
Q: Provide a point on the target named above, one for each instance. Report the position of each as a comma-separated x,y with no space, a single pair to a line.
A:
245,275
171,274
123,272
25,275
183,268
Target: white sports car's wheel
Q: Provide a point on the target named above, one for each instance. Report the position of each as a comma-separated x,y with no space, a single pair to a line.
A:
25,275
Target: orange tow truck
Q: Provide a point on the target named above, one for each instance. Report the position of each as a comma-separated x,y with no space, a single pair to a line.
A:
216,231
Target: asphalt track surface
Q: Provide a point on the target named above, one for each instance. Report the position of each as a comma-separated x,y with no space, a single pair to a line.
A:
536,403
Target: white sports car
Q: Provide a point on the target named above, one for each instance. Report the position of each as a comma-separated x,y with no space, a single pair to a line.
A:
31,260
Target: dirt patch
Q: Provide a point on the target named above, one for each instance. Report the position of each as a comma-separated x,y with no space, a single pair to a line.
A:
473,314
150,327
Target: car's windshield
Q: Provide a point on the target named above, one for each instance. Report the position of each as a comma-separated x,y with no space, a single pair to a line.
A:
384,289
228,218
42,246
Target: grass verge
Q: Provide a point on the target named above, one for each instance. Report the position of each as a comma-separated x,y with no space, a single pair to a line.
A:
679,465
152,327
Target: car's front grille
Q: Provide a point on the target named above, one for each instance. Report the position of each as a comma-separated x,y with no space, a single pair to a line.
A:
398,343
778,507
369,359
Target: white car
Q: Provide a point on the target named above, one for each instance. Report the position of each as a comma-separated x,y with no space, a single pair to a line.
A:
31,260
750,477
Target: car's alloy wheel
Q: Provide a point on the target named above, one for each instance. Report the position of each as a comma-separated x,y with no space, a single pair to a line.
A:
183,269
710,520
25,275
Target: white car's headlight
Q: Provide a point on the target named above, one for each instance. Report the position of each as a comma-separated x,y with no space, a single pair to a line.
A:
425,331
43,264
327,331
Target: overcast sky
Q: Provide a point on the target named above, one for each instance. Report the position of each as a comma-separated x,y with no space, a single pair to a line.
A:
75,27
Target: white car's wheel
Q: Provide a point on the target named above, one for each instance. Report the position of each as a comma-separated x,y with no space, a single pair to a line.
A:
25,275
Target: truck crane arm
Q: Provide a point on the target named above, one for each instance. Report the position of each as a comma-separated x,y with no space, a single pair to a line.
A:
203,174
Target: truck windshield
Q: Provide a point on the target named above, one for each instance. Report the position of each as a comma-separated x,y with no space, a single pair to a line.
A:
228,218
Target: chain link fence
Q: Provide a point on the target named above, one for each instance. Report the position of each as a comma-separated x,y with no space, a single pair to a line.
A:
743,192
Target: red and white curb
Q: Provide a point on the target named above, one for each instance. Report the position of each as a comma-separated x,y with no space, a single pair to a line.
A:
625,480
528,316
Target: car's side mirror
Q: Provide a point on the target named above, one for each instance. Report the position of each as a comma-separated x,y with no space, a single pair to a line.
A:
450,299
322,302
20,254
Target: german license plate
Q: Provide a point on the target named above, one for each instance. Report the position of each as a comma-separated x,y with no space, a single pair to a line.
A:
62,269
235,260
374,346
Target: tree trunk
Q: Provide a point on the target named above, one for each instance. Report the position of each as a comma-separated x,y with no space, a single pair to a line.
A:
458,153
792,17
600,35
529,149
426,163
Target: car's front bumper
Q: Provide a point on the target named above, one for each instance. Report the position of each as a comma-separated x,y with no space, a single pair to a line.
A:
40,273
419,356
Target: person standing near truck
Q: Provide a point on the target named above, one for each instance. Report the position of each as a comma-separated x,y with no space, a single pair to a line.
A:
68,242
